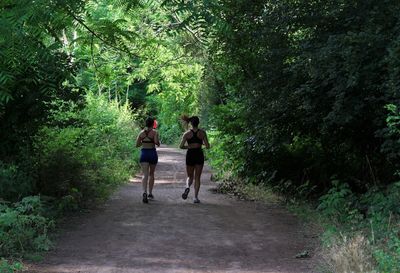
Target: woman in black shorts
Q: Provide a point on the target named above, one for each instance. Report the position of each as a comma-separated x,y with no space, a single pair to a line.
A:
194,138
148,139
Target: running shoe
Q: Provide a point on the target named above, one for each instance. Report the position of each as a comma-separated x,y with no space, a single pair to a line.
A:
145,200
185,193
150,196
196,200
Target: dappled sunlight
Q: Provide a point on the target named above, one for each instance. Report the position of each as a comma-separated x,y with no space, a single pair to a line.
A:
173,235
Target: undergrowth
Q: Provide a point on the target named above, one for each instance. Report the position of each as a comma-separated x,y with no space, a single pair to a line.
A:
246,191
9,266
360,233
24,230
80,156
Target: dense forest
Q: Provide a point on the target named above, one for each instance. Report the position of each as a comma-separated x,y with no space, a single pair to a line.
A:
301,97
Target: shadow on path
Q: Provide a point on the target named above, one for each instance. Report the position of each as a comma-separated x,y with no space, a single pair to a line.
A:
172,235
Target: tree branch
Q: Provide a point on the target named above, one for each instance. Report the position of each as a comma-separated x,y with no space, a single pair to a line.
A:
101,38
194,34
164,64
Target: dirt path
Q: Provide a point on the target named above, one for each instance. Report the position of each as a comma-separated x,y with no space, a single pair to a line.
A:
172,235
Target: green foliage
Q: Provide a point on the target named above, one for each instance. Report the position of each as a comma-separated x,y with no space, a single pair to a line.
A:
84,153
374,214
232,161
133,54
382,201
33,67
292,92
391,134
14,182
337,202
9,267
71,72
306,83
179,89
30,39
388,256
23,228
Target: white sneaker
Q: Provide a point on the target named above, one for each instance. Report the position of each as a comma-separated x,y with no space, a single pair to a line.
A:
196,200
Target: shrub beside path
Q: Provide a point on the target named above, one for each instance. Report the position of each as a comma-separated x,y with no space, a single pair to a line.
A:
170,235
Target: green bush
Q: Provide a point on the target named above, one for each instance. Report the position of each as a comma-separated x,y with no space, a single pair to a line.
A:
9,267
388,255
338,204
84,153
381,204
336,200
383,222
23,228
170,134
375,214
14,182
391,134
229,151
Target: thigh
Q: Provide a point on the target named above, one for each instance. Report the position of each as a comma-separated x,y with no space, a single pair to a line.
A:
152,168
198,170
145,167
190,170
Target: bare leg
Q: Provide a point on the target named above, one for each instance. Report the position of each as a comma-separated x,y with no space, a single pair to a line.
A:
151,178
145,170
197,176
189,181
190,174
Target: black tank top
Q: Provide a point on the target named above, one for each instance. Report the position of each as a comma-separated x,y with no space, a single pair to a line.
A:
195,138
149,139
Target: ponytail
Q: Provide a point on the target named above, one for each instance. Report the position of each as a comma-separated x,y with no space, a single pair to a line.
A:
185,118
194,120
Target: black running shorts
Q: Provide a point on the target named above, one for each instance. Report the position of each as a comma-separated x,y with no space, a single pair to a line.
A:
195,157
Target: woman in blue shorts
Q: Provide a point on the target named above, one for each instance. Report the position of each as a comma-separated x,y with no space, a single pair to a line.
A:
148,139
194,138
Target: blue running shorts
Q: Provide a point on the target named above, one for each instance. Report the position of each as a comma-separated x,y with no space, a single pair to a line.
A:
149,155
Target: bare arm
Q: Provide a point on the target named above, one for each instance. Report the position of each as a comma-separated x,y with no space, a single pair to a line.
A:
205,140
183,141
139,140
157,139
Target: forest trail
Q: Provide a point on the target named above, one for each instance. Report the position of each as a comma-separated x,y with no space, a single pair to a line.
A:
169,234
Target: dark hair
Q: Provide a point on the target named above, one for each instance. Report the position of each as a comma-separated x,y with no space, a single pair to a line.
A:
194,121
185,118
149,122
